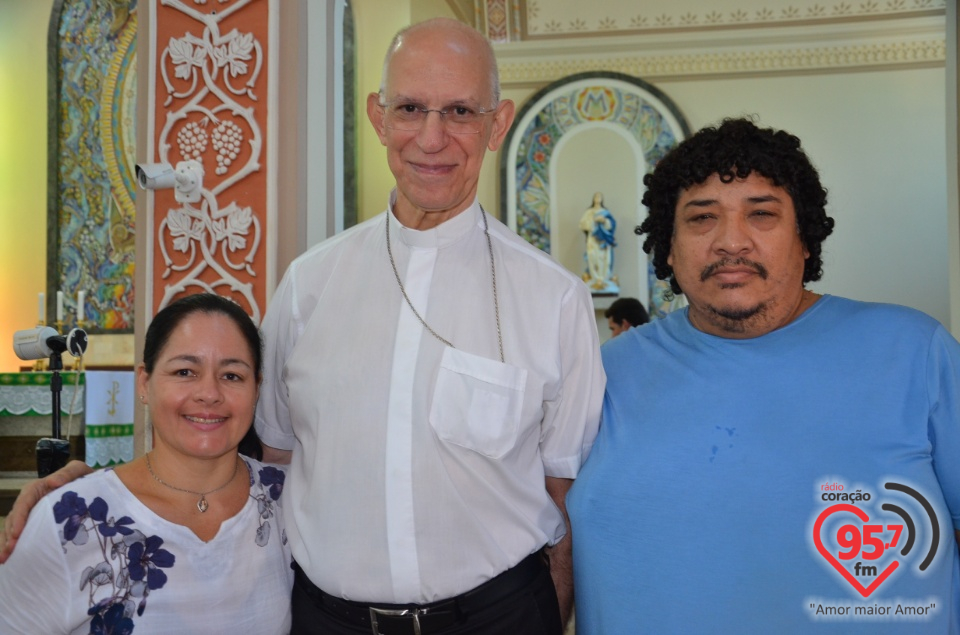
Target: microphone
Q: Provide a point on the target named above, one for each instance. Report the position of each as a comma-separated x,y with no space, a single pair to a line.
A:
44,341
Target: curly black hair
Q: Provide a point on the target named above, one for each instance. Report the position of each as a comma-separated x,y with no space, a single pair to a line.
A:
735,149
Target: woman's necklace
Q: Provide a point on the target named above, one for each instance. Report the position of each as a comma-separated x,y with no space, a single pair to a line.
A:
493,275
202,504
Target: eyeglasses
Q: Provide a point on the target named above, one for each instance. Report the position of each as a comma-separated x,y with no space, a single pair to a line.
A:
410,117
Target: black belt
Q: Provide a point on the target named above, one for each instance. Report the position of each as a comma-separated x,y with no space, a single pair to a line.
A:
404,619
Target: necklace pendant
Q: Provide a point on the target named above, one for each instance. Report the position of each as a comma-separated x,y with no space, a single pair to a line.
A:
202,504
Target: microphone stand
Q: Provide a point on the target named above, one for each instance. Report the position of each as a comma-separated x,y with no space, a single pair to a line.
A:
53,452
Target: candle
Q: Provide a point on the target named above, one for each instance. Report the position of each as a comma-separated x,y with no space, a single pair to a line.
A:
59,306
81,296
41,311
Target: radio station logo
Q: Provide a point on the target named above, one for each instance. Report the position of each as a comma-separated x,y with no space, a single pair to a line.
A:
867,538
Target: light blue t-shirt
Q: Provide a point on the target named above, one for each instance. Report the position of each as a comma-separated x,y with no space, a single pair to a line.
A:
791,483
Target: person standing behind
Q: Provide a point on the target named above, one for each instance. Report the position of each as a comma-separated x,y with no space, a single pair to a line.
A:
625,313
770,460
188,538
434,433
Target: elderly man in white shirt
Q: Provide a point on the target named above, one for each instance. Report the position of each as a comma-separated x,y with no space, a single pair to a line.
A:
434,379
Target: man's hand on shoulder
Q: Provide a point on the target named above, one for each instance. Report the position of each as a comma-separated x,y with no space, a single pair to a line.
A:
29,496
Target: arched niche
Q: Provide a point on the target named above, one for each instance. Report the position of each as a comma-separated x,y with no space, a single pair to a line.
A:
586,133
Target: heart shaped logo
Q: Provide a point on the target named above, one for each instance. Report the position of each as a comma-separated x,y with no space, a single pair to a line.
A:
829,557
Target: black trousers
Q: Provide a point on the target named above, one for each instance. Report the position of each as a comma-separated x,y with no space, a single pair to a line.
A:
533,610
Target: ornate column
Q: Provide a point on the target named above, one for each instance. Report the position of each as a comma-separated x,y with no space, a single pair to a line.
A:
211,98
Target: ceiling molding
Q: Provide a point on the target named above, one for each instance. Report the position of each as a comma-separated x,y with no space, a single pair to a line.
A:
550,19
913,42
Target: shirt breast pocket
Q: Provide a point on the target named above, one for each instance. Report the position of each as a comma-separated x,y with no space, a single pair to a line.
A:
477,403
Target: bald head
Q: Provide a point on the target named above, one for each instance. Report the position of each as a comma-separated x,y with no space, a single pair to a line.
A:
438,67
458,38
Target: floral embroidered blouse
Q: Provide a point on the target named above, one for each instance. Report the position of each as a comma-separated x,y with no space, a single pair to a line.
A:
94,559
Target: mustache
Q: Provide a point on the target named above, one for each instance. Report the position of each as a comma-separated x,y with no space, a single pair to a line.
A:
711,269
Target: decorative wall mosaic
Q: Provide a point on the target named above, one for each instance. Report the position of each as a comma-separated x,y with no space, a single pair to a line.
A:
92,144
648,116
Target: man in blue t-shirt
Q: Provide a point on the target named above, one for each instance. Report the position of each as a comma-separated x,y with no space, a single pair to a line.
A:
769,460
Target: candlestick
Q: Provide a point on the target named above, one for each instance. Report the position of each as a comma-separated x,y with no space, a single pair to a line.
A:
41,311
59,306
81,296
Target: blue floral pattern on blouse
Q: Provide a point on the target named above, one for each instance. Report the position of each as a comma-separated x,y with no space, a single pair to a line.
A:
131,568
132,563
271,486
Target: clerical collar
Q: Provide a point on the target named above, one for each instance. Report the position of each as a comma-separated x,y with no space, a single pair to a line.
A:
442,235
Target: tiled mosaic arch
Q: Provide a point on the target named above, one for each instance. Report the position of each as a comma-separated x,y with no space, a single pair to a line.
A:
91,60
650,119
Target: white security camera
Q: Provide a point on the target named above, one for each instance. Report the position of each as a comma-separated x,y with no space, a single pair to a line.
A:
44,341
186,178
156,176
